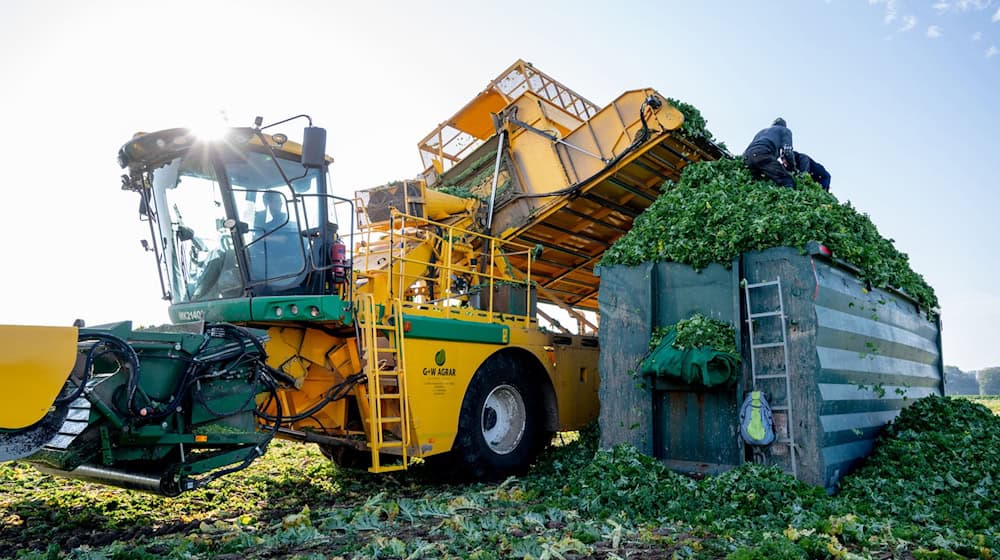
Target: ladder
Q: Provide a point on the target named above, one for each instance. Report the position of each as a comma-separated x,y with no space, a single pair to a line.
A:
777,315
387,402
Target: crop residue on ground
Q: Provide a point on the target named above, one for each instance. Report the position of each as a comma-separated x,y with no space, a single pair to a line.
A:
930,490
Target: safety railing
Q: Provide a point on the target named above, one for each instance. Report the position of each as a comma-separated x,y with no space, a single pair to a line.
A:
465,131
448,270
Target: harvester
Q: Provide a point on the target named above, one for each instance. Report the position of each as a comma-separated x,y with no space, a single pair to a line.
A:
402,323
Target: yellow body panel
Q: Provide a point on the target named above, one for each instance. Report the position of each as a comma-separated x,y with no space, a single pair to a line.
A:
576,380
439,205
35,362
317,361
474,118
607,134
541,168
436,391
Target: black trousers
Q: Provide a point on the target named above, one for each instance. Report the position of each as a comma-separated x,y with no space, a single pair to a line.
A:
820,175
815,170
763,164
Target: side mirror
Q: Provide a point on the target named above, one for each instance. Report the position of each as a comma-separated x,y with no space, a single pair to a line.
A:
185,233
313,147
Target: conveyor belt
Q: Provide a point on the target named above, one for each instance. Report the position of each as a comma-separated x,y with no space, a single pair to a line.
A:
577,229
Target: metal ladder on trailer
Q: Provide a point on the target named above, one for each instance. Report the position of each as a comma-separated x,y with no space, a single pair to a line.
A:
782,343
386,383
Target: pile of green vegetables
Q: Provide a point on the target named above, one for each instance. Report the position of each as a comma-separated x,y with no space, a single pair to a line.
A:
929,490
475,180
716,211
938,467
695,126
698,331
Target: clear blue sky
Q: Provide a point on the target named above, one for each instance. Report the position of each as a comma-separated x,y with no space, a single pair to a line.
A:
897,98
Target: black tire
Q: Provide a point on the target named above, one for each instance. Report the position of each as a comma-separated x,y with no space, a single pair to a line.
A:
501,424
349,458
346,457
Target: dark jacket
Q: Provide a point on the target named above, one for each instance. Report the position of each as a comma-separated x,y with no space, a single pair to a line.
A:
770,141
806,164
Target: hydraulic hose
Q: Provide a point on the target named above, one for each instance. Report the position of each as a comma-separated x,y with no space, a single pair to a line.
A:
117,346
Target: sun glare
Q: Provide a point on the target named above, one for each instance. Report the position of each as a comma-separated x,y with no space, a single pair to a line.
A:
211,125
210,131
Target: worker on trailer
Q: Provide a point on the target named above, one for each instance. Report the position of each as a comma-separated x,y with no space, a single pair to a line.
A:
767,147
806,164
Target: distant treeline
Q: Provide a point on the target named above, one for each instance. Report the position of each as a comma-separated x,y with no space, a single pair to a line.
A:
982,382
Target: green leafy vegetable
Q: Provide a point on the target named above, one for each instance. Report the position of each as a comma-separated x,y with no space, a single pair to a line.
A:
716,211
695,125
937,466
700,331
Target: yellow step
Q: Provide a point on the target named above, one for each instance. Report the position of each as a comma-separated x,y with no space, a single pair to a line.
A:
381,469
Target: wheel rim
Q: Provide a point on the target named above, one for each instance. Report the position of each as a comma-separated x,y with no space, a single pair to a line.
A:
504,418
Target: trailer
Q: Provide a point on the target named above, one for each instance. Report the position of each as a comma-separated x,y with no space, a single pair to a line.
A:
836,358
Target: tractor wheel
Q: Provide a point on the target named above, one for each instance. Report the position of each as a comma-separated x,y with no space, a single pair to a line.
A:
500,426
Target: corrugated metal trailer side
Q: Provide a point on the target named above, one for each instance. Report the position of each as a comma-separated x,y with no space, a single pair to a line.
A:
855,356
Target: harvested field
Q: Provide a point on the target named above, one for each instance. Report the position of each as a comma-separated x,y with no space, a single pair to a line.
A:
929,491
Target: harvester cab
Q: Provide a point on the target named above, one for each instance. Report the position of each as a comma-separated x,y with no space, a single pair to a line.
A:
242,215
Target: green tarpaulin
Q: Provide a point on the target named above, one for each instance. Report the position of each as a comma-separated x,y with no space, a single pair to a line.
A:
704,365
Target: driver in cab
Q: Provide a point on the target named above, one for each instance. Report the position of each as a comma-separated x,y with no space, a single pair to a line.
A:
275,252
272,224
273,216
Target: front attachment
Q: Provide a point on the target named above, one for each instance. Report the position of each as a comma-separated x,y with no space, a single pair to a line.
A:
34,364
152,410
17,444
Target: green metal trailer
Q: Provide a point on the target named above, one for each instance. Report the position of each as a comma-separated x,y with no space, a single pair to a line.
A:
837,360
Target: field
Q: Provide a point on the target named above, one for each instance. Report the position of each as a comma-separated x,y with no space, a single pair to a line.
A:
991,402
930,491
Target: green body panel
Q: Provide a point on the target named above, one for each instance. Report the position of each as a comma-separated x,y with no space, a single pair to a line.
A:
456,330
229,310
329,308
265,309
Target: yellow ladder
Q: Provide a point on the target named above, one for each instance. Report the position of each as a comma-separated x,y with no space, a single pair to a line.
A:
388,408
